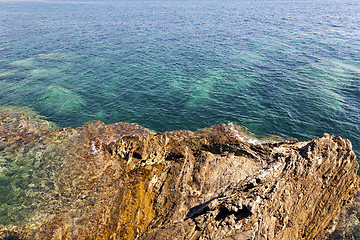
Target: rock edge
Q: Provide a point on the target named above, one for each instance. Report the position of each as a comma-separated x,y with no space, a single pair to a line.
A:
122,181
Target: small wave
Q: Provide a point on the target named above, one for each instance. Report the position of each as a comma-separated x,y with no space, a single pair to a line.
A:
244,135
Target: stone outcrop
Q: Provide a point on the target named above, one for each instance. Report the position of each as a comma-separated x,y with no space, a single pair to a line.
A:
122,181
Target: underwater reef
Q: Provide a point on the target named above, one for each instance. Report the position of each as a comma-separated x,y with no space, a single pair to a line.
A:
123,181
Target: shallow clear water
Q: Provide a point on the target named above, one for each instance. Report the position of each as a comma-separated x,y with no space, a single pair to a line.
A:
290,68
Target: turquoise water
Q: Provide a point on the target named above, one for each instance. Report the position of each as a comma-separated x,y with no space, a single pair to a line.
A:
290,68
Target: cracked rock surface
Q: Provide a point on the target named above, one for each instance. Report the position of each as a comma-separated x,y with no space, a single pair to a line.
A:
123,181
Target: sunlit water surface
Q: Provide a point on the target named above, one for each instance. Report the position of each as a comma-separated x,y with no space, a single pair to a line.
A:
289,68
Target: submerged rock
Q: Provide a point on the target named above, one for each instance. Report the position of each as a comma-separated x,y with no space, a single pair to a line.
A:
25,63
61,100
123,181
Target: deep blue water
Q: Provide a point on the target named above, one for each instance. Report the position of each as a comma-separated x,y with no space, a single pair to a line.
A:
290,68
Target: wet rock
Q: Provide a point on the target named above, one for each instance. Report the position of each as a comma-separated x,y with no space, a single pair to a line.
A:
122,181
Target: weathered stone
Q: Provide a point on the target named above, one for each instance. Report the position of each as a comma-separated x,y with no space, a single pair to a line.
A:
122,181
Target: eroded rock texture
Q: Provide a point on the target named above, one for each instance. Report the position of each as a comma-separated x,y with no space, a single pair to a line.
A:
122,181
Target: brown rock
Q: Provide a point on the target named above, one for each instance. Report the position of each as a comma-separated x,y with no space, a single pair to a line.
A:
122,181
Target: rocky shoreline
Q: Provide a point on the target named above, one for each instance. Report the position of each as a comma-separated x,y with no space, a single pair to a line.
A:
122,181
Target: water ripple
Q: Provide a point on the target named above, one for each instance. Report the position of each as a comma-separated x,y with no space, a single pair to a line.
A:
273,66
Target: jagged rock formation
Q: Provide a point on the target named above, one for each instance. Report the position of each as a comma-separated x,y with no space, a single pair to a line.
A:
122,181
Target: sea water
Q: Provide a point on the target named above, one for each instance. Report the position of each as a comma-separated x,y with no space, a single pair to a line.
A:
289,68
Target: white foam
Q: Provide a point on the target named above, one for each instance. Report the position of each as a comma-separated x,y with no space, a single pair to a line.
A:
244,137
